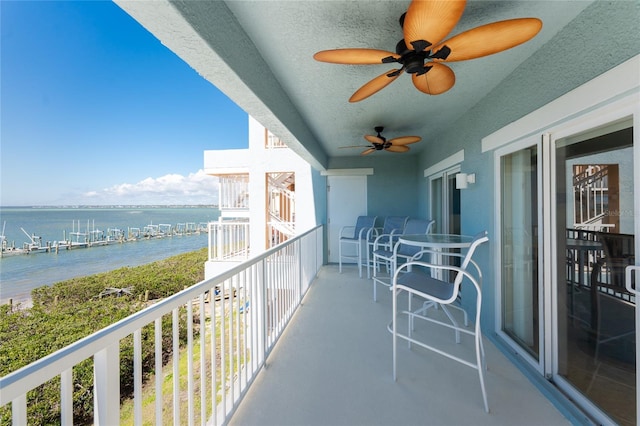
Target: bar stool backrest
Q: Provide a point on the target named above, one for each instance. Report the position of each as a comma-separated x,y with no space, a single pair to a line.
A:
414,227
478,239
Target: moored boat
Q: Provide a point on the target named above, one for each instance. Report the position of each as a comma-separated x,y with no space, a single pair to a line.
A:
34,245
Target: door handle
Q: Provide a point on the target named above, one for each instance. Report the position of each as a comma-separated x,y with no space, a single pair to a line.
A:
627,280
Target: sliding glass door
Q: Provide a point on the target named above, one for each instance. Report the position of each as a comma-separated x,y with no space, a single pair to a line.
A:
567,300
595,242
445,202
520,290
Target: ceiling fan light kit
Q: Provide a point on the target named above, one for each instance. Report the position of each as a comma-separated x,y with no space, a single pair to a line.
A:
422,53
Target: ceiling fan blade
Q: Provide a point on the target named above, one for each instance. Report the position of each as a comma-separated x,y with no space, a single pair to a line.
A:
355,146
431,21
405,140
368,151
375,85
437,80
374,139
354,56
399,148
491,38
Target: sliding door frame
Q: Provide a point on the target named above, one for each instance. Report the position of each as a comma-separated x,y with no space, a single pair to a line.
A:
537,364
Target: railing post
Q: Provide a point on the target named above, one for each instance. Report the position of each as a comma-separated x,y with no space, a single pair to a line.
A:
19,410
106,389
66,397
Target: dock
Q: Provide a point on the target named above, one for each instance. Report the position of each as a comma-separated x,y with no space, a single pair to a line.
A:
96,238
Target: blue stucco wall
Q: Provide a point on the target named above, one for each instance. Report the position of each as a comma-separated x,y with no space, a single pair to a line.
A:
391,190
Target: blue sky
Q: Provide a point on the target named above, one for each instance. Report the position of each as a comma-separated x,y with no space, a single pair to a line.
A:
95,110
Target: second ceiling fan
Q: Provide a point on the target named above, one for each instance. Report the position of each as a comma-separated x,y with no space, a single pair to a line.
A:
379,143
422,52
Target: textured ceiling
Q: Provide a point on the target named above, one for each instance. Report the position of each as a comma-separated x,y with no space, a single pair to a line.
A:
260,53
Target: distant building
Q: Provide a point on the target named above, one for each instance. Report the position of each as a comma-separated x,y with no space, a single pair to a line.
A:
265,197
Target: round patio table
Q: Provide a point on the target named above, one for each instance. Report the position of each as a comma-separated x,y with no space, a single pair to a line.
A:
437,241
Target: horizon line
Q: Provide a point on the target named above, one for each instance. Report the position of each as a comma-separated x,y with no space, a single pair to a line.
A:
75,206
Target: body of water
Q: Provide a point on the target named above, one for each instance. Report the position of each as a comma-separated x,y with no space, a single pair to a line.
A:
19,274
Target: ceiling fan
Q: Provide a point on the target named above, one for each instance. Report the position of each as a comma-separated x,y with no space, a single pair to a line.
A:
422,52
379,143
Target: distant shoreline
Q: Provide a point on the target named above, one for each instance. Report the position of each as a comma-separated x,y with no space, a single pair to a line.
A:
114,206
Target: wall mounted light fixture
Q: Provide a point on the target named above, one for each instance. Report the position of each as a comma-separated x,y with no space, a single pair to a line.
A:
463,180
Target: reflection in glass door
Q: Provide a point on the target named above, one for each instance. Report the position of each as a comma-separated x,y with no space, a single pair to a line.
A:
595,241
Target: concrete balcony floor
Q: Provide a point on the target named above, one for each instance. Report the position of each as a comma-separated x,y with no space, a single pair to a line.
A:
333,366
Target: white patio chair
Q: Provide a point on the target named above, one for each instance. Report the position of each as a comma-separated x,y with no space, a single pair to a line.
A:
356,236
385,236
399,253
415,278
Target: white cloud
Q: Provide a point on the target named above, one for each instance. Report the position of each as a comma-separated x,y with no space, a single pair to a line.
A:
196,188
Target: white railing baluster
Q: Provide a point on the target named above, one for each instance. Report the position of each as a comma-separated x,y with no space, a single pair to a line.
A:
223,347
190,402
214,356
220,242
253,324
66,397
158,367
203,365
245,327
238,349
230,345
211,238
272,283
261,315
281,280
176,365
106,389
271,306
137,376
301,267
239,333
19,410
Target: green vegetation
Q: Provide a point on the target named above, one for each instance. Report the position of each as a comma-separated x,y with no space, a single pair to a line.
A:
72,309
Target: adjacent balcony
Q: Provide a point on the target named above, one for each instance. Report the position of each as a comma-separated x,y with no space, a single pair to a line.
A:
294,342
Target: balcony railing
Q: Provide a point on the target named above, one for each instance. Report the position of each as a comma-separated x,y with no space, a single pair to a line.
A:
228,240
280,232
272,141
234,192
232,324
